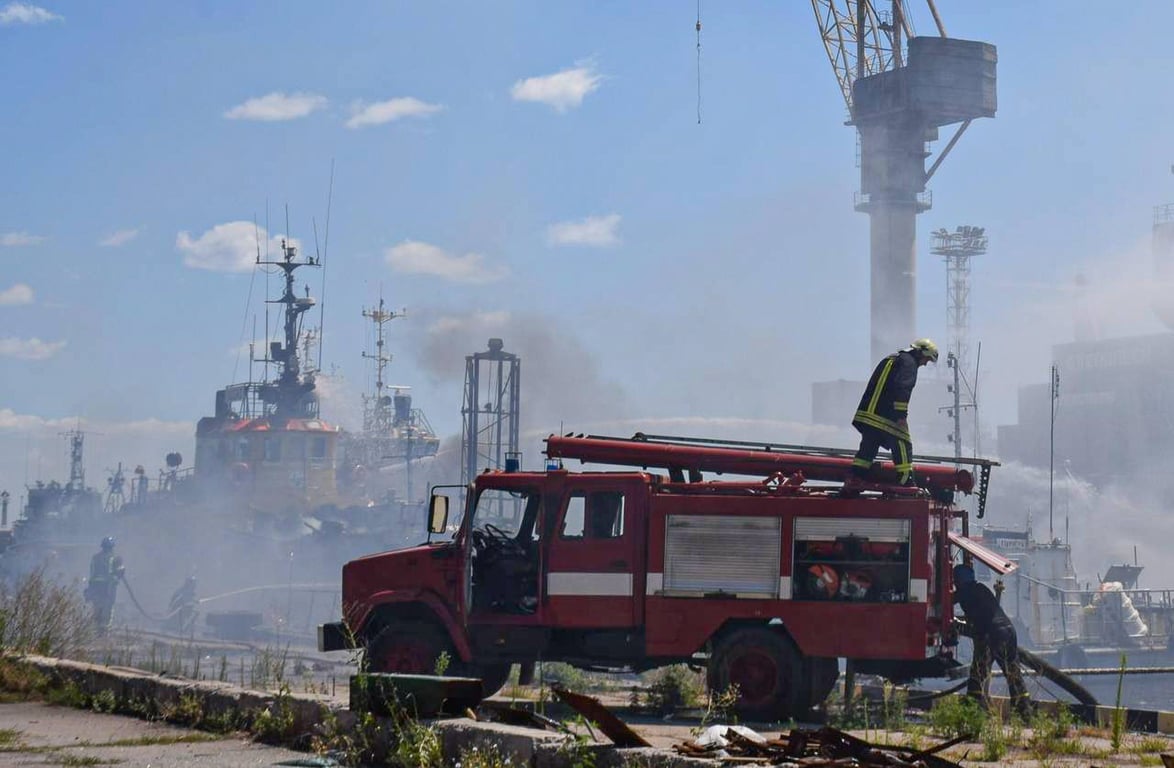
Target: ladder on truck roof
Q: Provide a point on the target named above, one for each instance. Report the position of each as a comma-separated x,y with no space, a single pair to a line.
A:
693,455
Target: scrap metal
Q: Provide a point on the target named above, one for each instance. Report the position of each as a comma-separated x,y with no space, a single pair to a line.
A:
823,747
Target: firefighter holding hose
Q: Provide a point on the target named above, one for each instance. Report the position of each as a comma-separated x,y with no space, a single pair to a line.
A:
105,572
994,640
881,418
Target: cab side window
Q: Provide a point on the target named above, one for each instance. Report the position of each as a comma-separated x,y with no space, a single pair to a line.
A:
595,515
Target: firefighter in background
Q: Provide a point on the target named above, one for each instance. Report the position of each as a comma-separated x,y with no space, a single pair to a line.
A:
881,417
105,571
181,612
994,639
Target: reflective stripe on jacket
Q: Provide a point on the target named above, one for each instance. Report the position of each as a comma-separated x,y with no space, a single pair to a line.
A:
886,398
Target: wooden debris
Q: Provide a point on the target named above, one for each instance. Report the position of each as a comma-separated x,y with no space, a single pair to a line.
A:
817,748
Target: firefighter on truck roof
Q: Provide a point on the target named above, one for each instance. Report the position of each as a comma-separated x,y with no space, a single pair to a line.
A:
881,418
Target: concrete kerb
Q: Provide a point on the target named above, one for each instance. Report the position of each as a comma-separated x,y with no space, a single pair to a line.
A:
310,712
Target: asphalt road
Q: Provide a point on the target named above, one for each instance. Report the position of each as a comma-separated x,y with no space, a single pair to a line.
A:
33,733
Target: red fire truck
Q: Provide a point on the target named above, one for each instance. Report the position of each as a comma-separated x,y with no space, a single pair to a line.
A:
767,578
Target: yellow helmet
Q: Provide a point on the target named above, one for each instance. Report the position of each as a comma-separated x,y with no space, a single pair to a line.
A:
927,348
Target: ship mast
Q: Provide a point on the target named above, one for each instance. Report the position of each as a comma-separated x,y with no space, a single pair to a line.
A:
291,396
377,412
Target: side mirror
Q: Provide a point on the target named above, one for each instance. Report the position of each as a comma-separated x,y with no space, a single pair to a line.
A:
438,514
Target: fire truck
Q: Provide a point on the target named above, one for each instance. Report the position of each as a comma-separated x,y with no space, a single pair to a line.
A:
767,572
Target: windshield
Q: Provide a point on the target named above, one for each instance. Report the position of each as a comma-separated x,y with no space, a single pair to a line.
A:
508,511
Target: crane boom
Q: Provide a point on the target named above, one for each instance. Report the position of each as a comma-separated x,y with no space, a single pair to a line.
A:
855,39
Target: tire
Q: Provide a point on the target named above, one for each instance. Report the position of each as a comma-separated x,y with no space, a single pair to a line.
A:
414,647
823,674
408,648
768,671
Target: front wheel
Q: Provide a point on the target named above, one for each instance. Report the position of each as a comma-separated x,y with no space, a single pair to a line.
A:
767,670
408,648
415,648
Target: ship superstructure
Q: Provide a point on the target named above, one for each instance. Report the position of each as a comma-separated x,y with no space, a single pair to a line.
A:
266,439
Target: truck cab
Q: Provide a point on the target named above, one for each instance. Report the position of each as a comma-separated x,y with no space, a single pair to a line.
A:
765,583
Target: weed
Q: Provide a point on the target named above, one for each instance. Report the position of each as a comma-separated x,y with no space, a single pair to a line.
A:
577,750
20,681
104,701
489,756
955,716
670,688
220,722
68,694
895,704
916,737
189,710
159,740
41,616
275,723
562,675
1118,721
1150,760
1049,735
720,705
994,740
71,760
1147,744
417,745
442,663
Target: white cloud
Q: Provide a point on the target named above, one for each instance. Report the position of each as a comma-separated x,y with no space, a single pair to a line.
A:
230,247
561,91
277,106
380,112
23,13
594,230
29,349
11,421
16,295
415,257
14,239
121,237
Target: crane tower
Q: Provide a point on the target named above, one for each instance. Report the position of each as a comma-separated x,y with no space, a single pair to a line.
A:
900,89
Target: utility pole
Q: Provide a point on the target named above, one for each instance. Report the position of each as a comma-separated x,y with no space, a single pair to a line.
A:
1055,396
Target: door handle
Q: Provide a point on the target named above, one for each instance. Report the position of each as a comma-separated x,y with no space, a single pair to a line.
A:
618,563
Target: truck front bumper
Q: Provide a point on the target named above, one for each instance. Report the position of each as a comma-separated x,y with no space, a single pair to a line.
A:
333,636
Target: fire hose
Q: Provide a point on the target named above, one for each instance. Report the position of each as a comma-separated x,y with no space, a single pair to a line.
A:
142,610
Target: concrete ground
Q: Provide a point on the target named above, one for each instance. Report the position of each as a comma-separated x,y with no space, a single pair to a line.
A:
33,733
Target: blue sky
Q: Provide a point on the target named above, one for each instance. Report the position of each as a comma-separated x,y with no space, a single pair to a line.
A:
533,168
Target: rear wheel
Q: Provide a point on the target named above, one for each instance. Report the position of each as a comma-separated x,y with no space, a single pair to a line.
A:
767,670
823,674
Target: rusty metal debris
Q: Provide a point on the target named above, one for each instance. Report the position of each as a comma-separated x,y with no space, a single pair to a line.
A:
612,727
810,748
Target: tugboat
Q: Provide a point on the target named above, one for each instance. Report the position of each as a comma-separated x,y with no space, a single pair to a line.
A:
265,445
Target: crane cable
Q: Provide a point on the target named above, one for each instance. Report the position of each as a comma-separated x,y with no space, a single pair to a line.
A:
698,27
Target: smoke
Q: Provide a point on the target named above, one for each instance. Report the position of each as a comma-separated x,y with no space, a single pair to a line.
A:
1102,525
561,381
1100,298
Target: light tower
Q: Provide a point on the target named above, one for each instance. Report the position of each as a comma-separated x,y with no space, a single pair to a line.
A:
490,410
900,89
957,248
